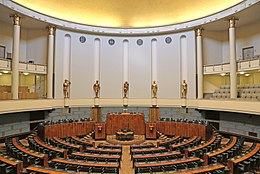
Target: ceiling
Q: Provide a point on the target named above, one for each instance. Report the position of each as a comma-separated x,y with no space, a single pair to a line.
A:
128,13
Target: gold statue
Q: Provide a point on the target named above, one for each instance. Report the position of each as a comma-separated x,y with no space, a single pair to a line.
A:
184,89
126,88
154,89
96,88
66,86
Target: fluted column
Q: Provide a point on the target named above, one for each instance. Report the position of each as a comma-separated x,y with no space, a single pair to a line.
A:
51,31
232,56
15,58
199,62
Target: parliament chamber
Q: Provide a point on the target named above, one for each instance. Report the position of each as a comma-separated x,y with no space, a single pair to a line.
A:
130,87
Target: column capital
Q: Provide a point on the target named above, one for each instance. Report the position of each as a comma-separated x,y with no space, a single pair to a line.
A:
232,22
16,19
199,31
51,29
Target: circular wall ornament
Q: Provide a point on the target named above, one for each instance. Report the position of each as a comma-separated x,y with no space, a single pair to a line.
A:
111,41
82,39
168,40
139,42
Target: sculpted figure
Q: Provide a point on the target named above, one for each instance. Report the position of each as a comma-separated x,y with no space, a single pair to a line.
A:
96,88
154,89
66,88
184,88
126,88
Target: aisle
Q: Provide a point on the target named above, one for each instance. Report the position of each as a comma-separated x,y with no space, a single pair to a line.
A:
126,163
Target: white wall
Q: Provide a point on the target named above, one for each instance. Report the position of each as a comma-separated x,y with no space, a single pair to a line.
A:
111,66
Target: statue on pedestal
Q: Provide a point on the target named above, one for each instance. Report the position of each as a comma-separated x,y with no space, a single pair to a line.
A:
66,88
96,88
154,89
126,88
184,88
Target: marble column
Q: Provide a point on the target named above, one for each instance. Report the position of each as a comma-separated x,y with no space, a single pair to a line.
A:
15,57
232,56
51,31
199,62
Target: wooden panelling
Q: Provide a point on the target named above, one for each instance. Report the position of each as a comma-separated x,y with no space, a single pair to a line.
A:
96,114
116,122
184,129
154,114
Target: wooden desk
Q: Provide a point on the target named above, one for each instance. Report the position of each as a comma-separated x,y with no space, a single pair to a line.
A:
204,169
79,148
83,143
188,151
155,155
233,162
105,151
47,146
167,163
17,164
39,169
148,150
141,146
97,155
111,146
31,153
169,141
85,163
210,155
173,147
117,122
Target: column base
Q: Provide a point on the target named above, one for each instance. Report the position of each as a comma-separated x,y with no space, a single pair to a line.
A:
183,102
66,102
96,114
154,101
96,101
154,114
125,102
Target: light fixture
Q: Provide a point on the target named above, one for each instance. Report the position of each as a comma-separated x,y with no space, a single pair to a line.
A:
223,74
241,72
26,73
5,72
247,75
1,73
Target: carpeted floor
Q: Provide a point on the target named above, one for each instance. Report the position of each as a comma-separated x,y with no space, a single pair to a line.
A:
126,163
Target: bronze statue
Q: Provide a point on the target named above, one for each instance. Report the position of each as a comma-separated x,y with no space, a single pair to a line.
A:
96,88
154,89
126,88
66,86
184,89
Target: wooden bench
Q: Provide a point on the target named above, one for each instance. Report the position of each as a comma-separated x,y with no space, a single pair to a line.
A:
141,146
47,146
18,165
173,147
43,157
168,141
118,157
83,143
148,150
73,146
232,163
229,146
103,150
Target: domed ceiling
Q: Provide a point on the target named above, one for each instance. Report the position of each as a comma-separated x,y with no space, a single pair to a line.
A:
128,13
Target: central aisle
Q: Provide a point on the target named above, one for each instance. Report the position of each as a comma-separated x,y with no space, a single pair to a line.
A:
126,163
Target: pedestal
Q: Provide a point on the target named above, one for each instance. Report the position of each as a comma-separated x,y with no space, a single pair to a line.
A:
125,101
96,102
66,102
154,101
100,131
154,114
183,102
96,114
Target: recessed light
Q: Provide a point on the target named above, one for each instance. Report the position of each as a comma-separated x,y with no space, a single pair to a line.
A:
5,72
247,75
223,74
242,72
26,73
1,73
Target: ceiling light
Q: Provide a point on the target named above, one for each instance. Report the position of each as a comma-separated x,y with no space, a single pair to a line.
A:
1,73
247,75
5,72
223,74
242,72
26,73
